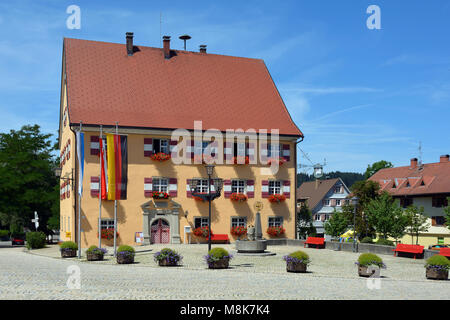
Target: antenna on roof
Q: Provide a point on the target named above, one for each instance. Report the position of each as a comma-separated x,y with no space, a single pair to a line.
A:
160,29
420,155
318,167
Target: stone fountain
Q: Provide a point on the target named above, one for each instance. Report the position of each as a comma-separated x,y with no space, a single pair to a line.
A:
254,244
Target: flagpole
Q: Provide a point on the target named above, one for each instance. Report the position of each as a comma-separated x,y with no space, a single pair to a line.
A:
79,206
115,210
100,195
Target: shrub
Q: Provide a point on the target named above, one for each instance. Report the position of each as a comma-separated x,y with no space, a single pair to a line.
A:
70,245
125,251
4,233
298,257
167,254
385,242
367,240
97,250
35,240
370,259
217,254
438,262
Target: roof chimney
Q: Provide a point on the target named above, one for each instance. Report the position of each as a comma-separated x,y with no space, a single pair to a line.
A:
444,158
166,46
203,48
413,163
129,37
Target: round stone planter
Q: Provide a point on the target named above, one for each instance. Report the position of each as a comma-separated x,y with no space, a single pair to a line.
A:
94,256
219,264
434,274
124,259
364,271
165,263
247,246
295,267
68,253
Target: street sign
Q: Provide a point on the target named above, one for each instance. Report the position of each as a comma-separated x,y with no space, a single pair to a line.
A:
35,220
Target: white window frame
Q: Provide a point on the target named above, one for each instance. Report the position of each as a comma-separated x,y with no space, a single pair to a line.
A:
318,217
275,221
164,146
327,202
273,187
202,184
106,224
338,202
238,222
269,150
203,221
238,186
160,184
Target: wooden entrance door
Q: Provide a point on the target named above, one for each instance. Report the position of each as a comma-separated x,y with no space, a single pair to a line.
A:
160,232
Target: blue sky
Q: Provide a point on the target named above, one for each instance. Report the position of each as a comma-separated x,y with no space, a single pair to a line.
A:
358,95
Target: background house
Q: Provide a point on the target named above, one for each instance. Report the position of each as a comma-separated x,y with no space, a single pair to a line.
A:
322,198
426,185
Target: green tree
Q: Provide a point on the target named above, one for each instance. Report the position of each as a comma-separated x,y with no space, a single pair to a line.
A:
304,222
386,217
372,169
27,181
417,222
337,224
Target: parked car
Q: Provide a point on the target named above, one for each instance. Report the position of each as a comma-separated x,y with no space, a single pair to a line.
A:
438,246
18,239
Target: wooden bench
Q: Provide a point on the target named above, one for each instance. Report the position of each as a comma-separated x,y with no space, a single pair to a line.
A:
319,242
220,238
408,248
445,252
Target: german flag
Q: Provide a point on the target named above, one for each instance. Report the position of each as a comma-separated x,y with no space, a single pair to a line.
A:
117,166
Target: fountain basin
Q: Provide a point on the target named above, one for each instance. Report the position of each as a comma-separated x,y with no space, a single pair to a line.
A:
256,246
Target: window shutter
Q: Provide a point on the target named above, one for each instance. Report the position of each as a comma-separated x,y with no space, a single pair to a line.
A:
173,187
148,187
228,151
95,186
174,148
188,189
148,147
265,189
251,152
287,188
286,150
95,146
227,188
263,151
250,188
215,150
189,149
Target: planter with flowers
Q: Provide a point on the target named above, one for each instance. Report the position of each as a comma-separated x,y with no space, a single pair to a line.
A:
202,232
199,199
125,255
276,231
437,267
277,198
68,249
368,264
279,160
239,231
157,195
160,156
241,160
108,234
218,258
297,261
238,197
95,253
167,257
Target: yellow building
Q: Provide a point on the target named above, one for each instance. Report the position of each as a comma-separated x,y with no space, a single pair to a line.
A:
146,94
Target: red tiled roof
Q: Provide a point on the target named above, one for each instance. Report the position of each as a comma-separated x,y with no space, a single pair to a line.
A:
431,179
314,195
105,85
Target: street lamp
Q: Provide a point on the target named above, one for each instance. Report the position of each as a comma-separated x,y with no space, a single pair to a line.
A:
69,176
217,183
355,203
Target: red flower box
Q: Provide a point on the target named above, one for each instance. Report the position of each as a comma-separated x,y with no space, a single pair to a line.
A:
108,234
276,231
160,195
241,160
239,197
280,161
239,231
277,198
160,156
202,232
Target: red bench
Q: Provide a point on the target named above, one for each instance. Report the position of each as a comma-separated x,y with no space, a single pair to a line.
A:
220,238
408,248
319,242
445,252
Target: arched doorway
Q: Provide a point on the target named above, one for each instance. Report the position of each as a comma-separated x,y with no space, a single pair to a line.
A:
160,231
